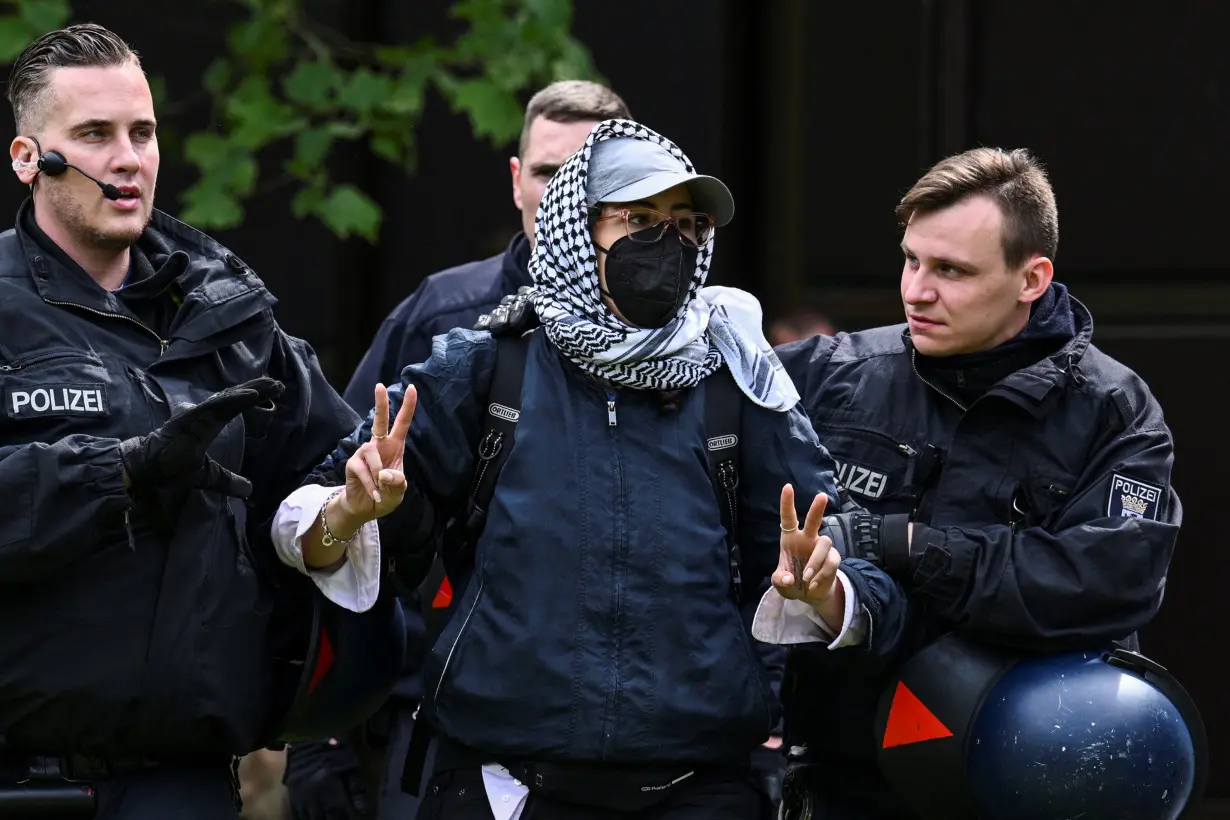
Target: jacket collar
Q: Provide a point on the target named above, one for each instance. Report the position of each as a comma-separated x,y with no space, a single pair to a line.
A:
1029,386
215,289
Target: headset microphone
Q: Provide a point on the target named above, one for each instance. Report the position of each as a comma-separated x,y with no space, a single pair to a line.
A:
53,164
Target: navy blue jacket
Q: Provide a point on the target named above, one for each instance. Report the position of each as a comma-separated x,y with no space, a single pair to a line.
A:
453,298
598,625
1043,507
135,624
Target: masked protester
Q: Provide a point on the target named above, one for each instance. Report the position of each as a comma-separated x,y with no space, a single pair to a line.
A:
358,776
597,664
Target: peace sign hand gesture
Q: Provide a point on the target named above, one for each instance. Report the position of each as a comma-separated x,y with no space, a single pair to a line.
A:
375,482
807,564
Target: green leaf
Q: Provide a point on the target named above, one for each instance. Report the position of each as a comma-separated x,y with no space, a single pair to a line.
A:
387,147
43,16
257,117
408,90
311,147
311,84
206,150
554,14
345,130
208,206
14,36
364,90
348,211
261,41
158,90
238,173
396,56
493,111
216,77
309,198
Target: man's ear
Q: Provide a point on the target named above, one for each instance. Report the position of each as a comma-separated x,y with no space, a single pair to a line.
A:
1039,272
25,159
514,165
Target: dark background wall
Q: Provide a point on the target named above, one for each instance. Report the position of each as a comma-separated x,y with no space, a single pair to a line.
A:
819,116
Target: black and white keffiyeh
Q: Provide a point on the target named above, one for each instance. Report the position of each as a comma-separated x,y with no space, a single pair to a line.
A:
716,324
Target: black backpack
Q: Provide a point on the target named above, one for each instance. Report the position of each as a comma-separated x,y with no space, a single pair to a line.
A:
441,590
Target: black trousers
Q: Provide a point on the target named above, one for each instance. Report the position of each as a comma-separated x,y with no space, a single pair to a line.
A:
162,793
170,793
459,794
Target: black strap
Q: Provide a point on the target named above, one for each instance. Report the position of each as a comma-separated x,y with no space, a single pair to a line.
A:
723,425
503,412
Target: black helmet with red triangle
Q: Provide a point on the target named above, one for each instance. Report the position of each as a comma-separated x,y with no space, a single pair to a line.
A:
340,668
970,732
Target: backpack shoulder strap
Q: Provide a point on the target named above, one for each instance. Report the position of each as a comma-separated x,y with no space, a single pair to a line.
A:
494,445
723,425
503,413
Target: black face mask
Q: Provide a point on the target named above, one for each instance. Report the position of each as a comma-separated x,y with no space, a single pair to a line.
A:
649,281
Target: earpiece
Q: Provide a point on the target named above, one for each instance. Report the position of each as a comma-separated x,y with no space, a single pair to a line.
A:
52,163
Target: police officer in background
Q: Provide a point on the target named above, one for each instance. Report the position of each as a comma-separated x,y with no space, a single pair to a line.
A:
1016,479
154,416
334,777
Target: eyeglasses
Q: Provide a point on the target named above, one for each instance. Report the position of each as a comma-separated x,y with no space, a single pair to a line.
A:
645,225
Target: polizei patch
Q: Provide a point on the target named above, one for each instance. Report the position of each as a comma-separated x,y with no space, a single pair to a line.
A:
862,480
1130,498
34,401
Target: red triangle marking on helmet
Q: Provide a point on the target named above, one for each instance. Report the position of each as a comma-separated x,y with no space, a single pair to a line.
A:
444,595
910,721
324,660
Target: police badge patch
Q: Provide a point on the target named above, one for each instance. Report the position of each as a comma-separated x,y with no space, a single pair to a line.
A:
1130,498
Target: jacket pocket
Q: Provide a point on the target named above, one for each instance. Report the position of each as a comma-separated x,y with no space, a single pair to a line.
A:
872,466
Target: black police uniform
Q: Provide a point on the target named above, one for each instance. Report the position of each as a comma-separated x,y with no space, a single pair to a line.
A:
1037,476
135,647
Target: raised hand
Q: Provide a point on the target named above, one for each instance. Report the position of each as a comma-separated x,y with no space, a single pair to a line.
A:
375,482
807,564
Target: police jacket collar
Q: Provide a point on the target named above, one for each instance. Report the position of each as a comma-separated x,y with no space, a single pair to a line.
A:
516,263
1029,386
215,289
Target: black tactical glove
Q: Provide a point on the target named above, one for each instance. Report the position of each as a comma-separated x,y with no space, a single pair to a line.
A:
323,782
173,456
883,540
512,316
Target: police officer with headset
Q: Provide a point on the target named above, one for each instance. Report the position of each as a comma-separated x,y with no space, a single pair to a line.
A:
154,414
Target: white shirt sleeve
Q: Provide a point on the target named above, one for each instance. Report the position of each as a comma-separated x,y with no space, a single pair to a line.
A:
354,585
785,621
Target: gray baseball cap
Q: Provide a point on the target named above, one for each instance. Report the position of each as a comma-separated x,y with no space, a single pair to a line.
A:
624,169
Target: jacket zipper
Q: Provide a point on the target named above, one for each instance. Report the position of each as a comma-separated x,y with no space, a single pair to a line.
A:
132,540
162,343
47,357
449,659
903,447
914,364
621,554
